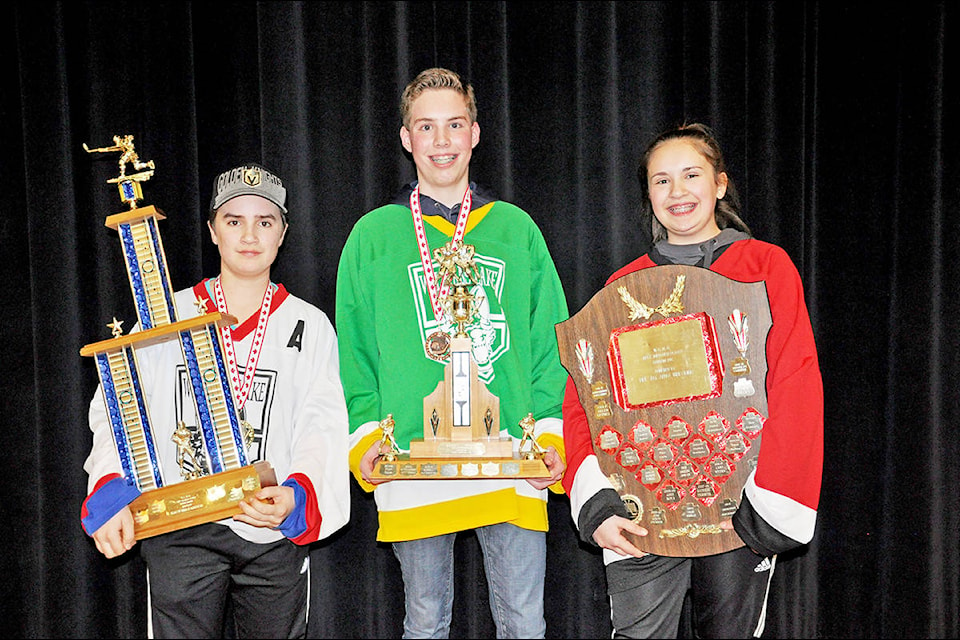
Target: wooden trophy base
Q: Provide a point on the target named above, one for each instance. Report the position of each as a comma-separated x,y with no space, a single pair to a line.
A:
194,502
484,448
458,468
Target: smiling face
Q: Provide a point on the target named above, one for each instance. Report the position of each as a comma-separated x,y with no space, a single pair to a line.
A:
441,138
684,189
248,230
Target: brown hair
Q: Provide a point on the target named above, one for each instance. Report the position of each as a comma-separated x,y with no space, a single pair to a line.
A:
436,78
727,212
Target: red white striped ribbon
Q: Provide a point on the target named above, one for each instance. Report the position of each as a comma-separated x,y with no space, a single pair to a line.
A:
425,258
242,388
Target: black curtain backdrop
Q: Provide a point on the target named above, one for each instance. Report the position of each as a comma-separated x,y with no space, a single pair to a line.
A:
839,124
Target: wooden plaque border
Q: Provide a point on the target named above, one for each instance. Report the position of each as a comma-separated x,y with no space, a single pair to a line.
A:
682,512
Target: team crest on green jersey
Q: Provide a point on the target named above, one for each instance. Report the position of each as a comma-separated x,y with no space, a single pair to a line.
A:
488,332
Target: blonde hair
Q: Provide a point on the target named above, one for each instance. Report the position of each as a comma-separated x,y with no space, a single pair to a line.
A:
436,78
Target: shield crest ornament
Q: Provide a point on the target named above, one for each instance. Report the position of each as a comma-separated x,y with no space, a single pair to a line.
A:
670,367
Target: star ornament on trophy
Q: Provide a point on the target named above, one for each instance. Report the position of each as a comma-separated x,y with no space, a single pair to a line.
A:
461,418
214,467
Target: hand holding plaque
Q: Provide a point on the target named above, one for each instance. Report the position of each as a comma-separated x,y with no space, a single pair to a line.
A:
675,432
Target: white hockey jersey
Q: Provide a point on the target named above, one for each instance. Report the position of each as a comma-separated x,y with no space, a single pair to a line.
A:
295,405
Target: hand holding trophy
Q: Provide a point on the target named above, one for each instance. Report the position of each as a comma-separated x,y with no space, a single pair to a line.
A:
461,418
214,469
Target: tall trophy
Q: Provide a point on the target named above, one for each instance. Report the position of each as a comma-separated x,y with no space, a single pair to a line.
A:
461,418
669,364
215,472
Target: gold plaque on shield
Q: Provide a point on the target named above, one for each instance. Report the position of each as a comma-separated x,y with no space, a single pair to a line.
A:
683,430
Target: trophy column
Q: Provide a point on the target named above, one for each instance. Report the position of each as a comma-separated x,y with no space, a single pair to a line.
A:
206,493
461,418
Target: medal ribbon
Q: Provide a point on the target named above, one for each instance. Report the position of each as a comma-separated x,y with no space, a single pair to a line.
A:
254,356
425,259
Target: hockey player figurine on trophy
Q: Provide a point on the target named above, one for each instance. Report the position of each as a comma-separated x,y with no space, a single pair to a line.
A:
164,504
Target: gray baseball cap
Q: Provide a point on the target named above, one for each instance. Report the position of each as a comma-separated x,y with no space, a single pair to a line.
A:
249,179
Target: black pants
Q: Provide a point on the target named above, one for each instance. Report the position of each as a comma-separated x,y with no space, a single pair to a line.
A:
193,572
725,595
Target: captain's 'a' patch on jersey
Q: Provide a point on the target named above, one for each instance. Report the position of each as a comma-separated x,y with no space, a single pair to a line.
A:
296,338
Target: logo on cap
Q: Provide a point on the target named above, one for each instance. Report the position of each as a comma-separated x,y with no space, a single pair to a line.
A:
250,179
251,175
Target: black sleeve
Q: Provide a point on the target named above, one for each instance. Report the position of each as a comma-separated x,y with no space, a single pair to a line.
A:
599,507
757,533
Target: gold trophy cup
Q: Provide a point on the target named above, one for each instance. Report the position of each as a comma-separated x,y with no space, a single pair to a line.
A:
461,418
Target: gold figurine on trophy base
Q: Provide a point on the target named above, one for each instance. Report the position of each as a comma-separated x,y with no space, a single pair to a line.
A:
461,418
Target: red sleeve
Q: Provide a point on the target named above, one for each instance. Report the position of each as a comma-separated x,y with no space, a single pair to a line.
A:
791,456
790,463
311,514
577,442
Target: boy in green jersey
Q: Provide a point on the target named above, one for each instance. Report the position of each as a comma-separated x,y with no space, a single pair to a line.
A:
388,315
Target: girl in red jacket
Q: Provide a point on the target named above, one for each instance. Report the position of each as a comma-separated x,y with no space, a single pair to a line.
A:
694,214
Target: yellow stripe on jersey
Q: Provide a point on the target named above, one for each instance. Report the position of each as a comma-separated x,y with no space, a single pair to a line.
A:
357,452
444,226
467,513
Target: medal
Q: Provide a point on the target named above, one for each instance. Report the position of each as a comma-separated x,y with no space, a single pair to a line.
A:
437,344
242,387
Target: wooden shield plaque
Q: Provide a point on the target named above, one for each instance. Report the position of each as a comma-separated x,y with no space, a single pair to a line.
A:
670,367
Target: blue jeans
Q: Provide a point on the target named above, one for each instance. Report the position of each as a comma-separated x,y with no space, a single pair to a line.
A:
515,562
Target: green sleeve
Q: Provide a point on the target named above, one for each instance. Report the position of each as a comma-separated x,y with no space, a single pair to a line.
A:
357,336
548,307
